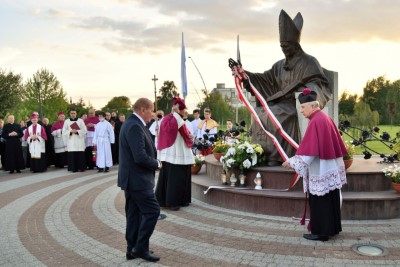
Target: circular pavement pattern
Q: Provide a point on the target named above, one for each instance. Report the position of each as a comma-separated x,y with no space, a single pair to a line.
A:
77,219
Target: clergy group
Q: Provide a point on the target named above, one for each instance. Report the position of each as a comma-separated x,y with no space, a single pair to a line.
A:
78,143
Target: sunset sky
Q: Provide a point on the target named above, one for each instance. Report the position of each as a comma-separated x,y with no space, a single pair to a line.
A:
99,49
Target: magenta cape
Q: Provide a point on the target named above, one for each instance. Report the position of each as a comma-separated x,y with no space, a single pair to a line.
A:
34,131
322,138
169,131
57,125
93,120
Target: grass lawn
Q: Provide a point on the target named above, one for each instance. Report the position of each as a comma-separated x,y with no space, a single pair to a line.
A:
375,145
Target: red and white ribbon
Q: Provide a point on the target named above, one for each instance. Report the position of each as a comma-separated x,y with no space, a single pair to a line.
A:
239,75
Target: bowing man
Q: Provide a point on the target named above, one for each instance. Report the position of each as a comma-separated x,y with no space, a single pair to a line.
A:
136,173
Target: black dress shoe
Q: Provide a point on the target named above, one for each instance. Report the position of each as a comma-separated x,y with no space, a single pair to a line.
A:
11,172
107,169
148,256
316,237
173,208
100,170
186,205
130,256
162,216
18,171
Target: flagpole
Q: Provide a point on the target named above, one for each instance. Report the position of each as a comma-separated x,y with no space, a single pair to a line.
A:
183,70
239,61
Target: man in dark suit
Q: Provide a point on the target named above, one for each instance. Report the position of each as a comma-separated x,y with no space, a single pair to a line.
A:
137,166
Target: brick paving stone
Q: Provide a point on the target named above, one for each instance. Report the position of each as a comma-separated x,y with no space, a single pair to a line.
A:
64,219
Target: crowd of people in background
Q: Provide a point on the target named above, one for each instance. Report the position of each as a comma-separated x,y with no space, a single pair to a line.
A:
146,142
73,142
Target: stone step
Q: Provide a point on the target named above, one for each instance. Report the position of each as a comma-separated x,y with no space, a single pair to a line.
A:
362,176
356,205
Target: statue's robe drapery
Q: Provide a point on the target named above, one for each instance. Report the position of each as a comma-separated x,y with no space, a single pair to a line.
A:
278,86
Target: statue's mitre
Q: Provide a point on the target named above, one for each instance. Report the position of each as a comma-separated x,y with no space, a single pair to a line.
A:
290,30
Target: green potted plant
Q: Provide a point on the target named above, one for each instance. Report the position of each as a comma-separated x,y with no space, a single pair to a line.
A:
393,173
220,149
198,162
348,159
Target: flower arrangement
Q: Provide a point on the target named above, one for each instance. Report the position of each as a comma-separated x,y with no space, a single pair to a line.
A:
241,156
198,160
220,147
350,150
393,173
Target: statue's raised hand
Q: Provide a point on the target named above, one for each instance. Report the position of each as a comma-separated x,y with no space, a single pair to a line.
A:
237,69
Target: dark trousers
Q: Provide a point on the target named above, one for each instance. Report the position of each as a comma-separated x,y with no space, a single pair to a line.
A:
76,161
61,159
89,158
2,150
142,211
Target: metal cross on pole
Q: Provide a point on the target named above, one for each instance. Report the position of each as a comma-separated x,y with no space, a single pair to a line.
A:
155,92
37,79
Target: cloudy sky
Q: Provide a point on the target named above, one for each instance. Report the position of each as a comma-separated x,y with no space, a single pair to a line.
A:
104,48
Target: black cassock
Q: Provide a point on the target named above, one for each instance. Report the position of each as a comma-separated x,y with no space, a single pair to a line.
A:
49,146
174,185
14,161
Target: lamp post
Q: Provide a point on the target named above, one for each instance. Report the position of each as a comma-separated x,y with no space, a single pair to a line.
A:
234,101
37,79
205,88
155,105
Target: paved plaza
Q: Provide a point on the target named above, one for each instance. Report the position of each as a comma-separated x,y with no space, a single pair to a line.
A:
59,218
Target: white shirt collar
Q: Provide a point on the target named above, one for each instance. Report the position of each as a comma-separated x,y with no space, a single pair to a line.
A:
140,118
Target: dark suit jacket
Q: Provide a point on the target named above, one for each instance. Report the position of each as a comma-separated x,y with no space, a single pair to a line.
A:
137,156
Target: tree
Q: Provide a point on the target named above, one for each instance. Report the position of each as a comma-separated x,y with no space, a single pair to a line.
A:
206,99
221,111
167,92
393,103
347,103
10,93
244,115
120,104
80,106
364,117
52,94
375,95
372,90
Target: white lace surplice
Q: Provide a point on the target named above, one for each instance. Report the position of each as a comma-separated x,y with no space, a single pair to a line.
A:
179,152
319,176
